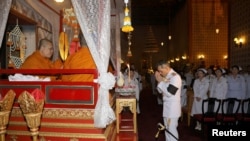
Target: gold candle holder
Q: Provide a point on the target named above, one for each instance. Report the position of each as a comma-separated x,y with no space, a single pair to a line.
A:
33,121
4,120
5,108
32,109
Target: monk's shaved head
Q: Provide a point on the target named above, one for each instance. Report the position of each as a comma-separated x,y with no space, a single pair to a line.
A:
44,42
46,48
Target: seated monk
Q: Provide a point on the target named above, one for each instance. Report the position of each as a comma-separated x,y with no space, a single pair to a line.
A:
82,59
41,59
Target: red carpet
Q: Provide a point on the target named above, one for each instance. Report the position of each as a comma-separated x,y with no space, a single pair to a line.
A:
151,115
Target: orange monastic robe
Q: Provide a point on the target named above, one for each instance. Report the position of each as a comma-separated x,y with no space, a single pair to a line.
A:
36,61
82,59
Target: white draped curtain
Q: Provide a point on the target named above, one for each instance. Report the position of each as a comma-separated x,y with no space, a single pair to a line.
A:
94,19
4,10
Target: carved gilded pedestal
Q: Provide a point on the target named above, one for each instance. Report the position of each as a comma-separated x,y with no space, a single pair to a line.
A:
126,101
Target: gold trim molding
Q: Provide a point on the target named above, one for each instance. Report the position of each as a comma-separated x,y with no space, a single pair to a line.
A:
56,125
60,113
57,134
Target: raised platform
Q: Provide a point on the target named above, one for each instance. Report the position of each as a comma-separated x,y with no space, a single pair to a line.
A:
68,113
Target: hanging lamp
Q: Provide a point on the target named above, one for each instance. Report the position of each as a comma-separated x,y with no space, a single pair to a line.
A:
127,26
129,54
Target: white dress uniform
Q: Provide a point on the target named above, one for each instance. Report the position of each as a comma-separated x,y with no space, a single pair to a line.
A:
139,79
171,94
236,87
189,78
219,89
248,86
210,78
183,93
200,90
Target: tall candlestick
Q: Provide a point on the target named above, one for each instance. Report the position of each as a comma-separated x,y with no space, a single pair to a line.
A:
128,73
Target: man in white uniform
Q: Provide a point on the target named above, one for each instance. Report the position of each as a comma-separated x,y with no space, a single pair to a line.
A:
169,85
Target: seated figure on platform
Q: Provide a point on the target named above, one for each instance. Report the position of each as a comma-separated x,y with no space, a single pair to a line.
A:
41,58
82,59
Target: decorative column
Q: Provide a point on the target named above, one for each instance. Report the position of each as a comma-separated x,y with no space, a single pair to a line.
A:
5,108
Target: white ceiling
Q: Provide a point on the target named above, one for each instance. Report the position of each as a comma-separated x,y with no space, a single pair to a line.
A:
116,5
58,6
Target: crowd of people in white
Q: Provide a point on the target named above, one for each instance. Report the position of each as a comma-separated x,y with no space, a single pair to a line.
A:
204,82
221,84
212,83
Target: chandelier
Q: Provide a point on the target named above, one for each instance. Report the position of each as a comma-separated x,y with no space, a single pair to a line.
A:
127,27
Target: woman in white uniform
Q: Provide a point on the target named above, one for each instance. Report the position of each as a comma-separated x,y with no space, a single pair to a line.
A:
248,86
210,76
236,84
219,86
200,87
183,92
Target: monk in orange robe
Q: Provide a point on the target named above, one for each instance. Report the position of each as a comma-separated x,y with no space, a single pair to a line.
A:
82,59
41,59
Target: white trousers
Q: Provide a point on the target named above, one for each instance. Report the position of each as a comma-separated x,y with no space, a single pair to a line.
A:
171,125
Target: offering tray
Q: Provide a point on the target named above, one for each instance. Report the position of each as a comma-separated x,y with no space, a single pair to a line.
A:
125,91
121,90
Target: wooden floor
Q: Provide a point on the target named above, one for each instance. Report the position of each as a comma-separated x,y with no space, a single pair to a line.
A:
127,136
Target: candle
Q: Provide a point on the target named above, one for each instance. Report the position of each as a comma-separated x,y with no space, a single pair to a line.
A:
128,73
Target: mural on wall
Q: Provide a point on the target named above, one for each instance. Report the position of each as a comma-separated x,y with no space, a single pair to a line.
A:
44,28
43,33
